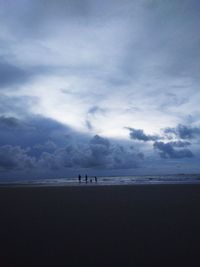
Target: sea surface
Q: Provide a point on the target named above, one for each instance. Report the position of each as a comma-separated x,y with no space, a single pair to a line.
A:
111,180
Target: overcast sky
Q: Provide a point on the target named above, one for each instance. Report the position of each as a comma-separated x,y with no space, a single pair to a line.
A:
107,87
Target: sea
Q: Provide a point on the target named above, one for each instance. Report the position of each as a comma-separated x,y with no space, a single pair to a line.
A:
110,180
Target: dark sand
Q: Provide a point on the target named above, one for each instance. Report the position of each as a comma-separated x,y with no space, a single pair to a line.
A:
156,225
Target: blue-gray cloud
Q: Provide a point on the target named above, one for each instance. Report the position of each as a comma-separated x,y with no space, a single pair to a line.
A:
39,143
11,74
14,158
183,131
9,123
166,150
179,143
170,149
95,109
31,131
97,153
16,106
138,134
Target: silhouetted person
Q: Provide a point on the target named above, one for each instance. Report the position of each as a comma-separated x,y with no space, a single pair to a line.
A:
95,178
86,178
90,180
79,178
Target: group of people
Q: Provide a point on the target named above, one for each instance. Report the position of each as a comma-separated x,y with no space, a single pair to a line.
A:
86,179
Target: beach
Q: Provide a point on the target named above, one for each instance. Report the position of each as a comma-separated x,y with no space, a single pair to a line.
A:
137,225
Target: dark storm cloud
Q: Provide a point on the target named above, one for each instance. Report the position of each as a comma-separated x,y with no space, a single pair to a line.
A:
41,143
183,131
180,132
31,131
176,149
126,158
49,146
32,140
9,123
98,140
171,149
105,154
98,153
138,134
179,143
166,150
15,158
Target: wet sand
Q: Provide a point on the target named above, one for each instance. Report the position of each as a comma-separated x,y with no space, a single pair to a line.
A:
144,225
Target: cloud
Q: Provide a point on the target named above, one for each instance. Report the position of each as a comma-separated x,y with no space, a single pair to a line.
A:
182,131
43,144
98,140
65,47
75,54
95,109
9,123
138,134
32,131
11,74
178,133
16,106
170,149
14,158
103,153
88,124
127,158
97,153
179,143
166,150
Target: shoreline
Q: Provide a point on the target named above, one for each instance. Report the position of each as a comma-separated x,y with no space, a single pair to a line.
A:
83,185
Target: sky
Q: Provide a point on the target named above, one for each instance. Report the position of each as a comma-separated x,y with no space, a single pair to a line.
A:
103,87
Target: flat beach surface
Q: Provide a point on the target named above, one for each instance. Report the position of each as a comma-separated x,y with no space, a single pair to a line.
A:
144,225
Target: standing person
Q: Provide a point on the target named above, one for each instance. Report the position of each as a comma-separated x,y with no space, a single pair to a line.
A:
79,178
86,178
95,178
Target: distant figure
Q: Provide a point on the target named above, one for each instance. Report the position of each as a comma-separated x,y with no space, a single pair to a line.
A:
79,178
90,180
86,178
95,178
